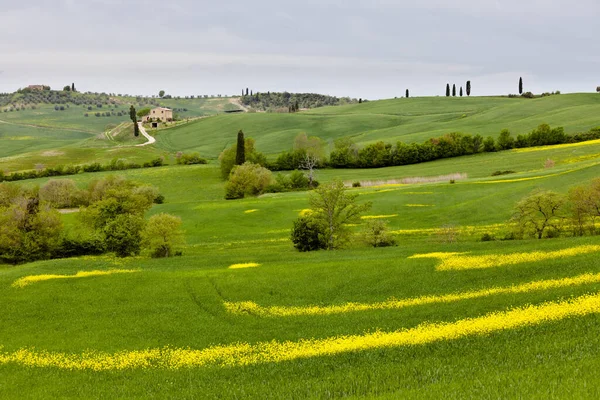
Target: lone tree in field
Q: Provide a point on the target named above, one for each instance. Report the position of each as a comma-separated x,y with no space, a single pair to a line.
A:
163,235
521,85
468,88
240,154
161,94
133,116
461,94
453,90
312,150
334,209
407,94
447,90
538,213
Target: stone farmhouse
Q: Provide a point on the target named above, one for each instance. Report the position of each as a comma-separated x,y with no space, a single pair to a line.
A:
157,114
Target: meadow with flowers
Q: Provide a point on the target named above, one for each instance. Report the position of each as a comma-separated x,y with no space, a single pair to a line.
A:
242,314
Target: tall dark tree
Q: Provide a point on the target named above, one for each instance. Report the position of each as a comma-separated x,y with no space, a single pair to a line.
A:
247,91
296,106
251,94
453,90
133,116
521,85
72,87
407,94
468,88
447,90
240,154
461,92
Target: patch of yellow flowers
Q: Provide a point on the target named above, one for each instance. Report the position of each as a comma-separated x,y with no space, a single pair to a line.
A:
250,211
246,265
243,354
249,307
461,261
28,280
378,216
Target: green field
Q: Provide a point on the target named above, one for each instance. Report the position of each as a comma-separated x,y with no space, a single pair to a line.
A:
328,324
408,120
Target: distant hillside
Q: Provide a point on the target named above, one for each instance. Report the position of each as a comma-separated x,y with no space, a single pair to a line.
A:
282,101
408,120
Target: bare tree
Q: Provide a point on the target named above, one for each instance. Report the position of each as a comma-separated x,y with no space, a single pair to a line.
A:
538,212
312,148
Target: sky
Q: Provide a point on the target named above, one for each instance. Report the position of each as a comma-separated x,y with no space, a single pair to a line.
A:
368,49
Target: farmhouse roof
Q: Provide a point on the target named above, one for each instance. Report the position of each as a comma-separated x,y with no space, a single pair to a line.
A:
162,108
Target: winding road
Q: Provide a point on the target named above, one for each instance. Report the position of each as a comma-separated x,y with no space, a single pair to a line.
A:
145,134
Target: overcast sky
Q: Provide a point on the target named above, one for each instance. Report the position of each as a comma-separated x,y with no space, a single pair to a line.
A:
370,48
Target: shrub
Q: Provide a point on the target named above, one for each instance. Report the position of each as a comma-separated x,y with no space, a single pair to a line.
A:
308,234
80,246
123,234
162,234
377,234
489,144
498,173
247,179
356,184
528,95
190,159
62,193
487,237
298,180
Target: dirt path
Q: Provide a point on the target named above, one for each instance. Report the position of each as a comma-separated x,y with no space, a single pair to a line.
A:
236,101
145,134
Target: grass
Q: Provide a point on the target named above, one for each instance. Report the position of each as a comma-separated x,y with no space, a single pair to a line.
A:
408,120
180,303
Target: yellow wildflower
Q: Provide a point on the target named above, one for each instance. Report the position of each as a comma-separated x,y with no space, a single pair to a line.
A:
244,354
246,265
250,211
249,307
460,261
28,280
378,216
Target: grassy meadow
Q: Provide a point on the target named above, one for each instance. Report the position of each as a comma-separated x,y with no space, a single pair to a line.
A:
425,319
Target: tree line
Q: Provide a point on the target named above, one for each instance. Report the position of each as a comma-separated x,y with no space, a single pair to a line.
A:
274,101
346,154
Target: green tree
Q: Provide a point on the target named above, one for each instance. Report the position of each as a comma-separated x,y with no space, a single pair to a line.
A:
67,88
447,90
489,145
228,156
73,87
308,234
143,112
161,94
538,213
123,234
163,234
247,180
461,92
407,94
505,140
240,153
521,85
29,230
133,117
454,90
468,88
333,207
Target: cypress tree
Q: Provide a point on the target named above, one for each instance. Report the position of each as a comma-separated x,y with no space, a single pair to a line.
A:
468,88
407,94
453,90
133,116
72,87
521,85
240,154
461,91
447,90
246,91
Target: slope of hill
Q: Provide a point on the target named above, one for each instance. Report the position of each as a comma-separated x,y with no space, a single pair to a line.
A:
408,120
298,325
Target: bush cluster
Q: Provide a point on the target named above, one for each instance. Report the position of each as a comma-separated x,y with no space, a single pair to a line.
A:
189,159
66,170
111,220
272,101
